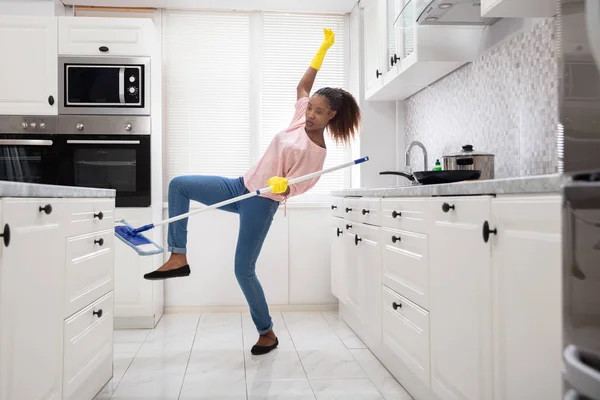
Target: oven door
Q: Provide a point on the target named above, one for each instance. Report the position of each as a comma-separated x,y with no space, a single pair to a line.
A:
104,86
28,158
120,162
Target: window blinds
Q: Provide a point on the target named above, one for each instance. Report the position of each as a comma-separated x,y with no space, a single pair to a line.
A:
289,43
206,61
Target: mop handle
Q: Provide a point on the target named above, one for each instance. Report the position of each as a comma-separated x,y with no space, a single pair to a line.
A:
251,194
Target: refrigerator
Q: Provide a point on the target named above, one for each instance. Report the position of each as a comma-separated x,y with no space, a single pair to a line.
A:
578,48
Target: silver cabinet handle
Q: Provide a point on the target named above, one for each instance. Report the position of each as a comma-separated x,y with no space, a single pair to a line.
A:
17,142
123,142
584,377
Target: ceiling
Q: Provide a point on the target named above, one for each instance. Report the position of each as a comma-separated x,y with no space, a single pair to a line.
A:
325,6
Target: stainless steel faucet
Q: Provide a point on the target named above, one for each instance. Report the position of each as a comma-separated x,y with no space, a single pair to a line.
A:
422,146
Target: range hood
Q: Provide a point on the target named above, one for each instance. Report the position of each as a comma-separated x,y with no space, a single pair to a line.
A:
452,12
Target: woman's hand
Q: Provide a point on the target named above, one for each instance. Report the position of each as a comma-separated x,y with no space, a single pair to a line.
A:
329,40
279,184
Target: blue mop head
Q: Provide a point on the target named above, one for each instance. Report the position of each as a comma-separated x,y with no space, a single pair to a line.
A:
140,243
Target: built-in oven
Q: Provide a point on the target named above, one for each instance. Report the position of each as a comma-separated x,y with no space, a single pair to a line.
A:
108,152
105,86
28,149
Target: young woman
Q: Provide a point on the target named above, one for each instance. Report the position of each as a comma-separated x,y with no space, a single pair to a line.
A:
296,151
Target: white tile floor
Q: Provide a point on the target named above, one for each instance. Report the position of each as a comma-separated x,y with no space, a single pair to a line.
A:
190,356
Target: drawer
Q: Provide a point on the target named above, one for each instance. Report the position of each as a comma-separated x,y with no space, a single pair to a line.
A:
461,210
405,264
368,233
90,215
88,350
407,214
89,269
121,36
337,207
406,333
22,212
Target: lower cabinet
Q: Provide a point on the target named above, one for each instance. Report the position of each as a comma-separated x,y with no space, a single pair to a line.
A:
469,293
56,300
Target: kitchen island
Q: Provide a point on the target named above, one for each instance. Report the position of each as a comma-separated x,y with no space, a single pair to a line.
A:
456,288
56,291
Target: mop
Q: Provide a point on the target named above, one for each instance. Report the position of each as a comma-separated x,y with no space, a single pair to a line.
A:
133,236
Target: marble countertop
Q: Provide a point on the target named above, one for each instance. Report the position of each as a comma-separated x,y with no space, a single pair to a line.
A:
522,185
20,189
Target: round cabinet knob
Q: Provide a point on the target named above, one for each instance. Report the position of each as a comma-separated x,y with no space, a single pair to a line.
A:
79,127
100,216
396,305
333,207
365,212
348,226
5,235
98,313
396,239
357,239
99,242
348,209
396,214
47,209
447,207
128,127
339,232
24,125
487,231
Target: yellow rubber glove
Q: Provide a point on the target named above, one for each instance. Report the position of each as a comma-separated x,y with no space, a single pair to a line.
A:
317,62
279,184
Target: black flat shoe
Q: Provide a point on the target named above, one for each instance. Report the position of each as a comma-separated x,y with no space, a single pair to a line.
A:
260,350
173,273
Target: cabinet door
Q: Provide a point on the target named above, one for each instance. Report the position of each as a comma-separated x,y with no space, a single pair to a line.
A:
28,71
369,270
526,264
105,36
374,39
355,296
460,300
32,294
338,256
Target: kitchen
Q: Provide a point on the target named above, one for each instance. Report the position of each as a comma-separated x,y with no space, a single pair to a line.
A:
380,287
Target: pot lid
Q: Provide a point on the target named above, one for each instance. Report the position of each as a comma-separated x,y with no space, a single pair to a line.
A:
467,151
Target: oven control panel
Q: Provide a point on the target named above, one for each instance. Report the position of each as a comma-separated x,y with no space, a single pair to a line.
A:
29,124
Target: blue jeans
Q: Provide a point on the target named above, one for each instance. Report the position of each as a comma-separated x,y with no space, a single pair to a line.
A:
256,215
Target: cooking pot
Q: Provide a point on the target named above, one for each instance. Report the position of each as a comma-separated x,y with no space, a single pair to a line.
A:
469,159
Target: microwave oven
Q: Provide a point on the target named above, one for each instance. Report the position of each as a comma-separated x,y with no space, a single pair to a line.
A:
105,86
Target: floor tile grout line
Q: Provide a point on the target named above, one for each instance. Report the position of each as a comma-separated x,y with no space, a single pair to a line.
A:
298,355
353,357
189,357
130,362
244,356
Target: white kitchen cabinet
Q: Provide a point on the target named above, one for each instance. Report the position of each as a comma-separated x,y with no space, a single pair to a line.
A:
354,284
460,300
518,8
97,36
55,332
374,54
527,272
415,55
31,301
338,259
29,67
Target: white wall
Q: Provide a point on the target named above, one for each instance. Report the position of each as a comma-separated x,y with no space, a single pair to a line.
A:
45,8
293,266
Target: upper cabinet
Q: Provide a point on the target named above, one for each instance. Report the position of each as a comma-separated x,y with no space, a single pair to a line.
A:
401,57
105,36
518,8
28,71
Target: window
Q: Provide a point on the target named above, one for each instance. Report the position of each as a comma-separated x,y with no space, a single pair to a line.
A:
290,42
230,86
206,61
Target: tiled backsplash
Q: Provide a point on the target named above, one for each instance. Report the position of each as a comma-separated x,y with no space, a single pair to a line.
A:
504,103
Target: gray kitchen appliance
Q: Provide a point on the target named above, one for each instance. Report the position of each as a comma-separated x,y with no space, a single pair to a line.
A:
578,36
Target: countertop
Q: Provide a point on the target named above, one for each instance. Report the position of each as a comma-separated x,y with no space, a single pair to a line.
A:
19,189
522,185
